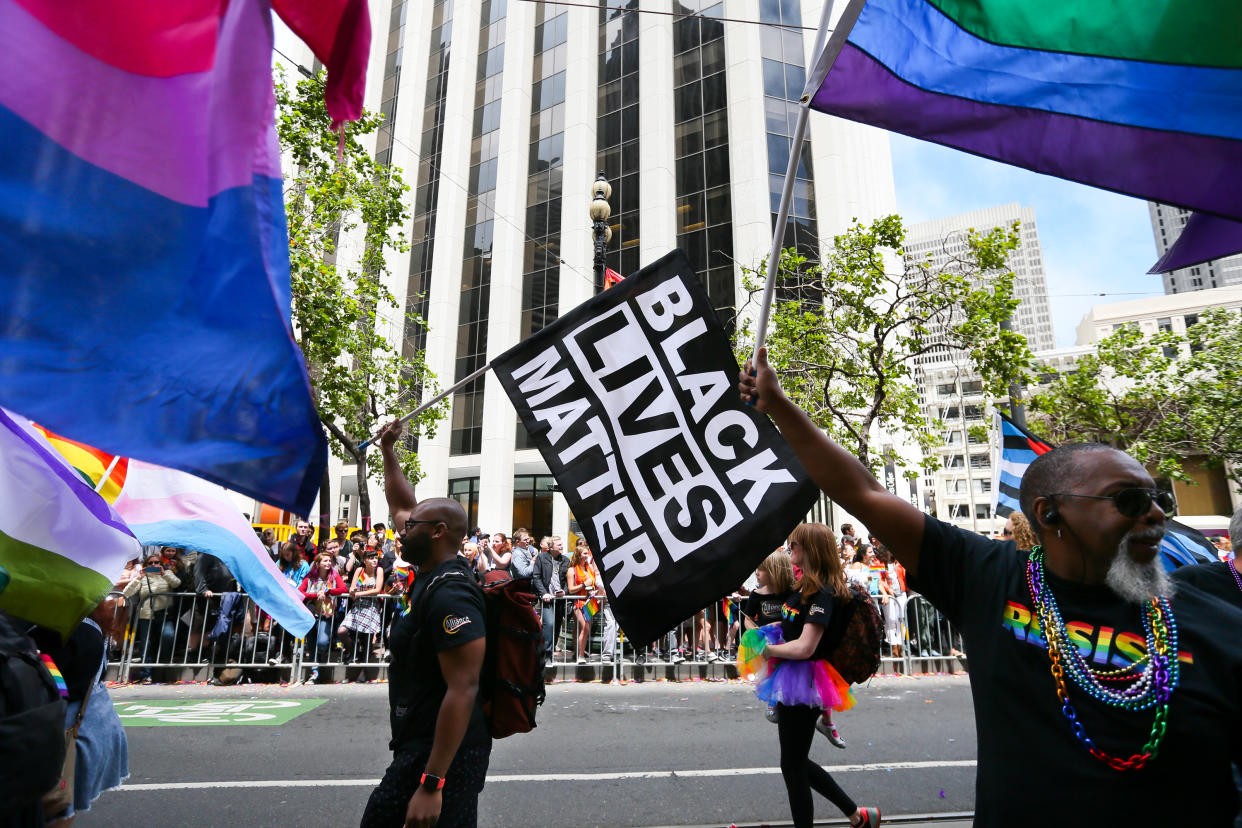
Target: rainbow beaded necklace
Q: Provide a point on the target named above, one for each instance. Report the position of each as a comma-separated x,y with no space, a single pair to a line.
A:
1133,688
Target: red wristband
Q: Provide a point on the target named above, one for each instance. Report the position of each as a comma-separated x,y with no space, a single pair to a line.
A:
438,780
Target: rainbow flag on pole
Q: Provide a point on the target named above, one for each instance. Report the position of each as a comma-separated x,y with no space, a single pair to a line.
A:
145,275
1142,97
63,545
590,609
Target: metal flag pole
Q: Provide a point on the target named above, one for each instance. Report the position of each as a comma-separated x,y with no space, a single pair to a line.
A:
430,403
825,54
116,458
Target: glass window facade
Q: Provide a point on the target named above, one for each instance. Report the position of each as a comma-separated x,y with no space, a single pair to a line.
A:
541,265
532,504
617,127
783,79
466,436
427,187
701,140
465,490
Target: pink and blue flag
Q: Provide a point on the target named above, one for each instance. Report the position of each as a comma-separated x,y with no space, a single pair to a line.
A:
144,263
167,507
1141,97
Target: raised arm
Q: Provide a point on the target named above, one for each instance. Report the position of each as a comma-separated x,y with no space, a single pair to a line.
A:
397,490
837,472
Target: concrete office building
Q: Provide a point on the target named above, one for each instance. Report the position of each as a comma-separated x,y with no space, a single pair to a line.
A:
952,394
502,114
1167,223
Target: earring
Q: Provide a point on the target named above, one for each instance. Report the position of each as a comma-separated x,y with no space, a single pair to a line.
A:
1058,533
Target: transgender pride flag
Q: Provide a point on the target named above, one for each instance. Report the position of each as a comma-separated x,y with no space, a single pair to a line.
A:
166,507
144,262
1143,97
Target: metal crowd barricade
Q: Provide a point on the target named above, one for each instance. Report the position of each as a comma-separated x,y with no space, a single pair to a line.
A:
187,633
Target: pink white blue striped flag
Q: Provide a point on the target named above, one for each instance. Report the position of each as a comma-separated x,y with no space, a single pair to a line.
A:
171,508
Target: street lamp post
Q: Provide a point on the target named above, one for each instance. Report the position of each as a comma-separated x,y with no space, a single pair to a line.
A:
601,191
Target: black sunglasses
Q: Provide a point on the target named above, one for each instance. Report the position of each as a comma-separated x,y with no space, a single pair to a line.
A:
411,523
1132,502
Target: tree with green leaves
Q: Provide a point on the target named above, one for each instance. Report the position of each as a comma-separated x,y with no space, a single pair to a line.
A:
336,189
1163,397
846,333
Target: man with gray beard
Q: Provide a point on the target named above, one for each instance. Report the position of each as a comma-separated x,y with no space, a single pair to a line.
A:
1101,698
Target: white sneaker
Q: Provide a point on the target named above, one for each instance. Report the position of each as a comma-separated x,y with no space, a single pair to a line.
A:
830,730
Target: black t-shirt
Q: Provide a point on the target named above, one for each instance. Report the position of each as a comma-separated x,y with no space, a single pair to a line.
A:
1032,770
763,608
453,615
1214,579
795,614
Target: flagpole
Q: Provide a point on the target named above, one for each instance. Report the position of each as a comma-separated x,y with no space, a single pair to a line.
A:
825,54
429,403
116,458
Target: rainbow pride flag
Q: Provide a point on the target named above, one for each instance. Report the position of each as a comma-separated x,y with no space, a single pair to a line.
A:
726,610
1143,97
590,609
91,463
145,276
63,545
167,507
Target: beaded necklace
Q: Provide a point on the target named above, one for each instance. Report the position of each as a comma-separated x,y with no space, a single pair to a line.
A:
1237,579
1137,687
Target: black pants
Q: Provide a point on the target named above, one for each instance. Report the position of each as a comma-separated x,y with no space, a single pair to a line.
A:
796,728
462,784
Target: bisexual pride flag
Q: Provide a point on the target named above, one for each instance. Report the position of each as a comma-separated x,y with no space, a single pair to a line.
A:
144,263
1142,97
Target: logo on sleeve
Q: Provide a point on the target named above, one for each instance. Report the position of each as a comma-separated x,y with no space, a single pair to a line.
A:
453,623
816,609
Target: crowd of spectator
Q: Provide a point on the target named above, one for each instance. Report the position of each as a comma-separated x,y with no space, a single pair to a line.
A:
188,608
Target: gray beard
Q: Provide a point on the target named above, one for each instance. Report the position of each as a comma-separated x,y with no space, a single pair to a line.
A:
1134,582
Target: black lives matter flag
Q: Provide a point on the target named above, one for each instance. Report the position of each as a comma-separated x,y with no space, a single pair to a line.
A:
680,488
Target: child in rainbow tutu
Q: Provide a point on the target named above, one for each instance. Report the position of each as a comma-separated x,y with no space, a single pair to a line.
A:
790,658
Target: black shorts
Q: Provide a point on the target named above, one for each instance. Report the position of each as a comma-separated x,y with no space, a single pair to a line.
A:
464,781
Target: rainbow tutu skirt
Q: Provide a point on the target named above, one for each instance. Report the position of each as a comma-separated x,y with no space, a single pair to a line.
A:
813,683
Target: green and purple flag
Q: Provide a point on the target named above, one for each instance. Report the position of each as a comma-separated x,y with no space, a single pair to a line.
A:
1143,97
62,544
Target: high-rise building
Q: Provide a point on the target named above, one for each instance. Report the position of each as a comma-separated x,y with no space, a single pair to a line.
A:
501,115
952,393
1167,223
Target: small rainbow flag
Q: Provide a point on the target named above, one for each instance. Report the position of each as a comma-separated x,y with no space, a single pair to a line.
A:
590,609
406,573
57,677
91,463
726,609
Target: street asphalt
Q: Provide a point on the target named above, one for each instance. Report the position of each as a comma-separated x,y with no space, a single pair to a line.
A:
647,754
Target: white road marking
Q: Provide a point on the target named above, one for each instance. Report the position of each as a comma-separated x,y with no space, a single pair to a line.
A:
545,777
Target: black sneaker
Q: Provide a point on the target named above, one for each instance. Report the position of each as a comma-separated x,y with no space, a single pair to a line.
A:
641,658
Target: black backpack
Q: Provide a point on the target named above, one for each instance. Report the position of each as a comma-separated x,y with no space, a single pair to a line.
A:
32,722
511,682
856,654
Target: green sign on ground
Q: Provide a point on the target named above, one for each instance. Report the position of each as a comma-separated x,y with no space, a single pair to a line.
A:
186,712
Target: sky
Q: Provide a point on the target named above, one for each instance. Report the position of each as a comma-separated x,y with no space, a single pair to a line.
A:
1093,241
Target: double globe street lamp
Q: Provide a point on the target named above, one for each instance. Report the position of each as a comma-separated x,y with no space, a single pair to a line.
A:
601,191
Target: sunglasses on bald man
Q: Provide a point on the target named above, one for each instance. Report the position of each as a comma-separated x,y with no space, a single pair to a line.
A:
1132,502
